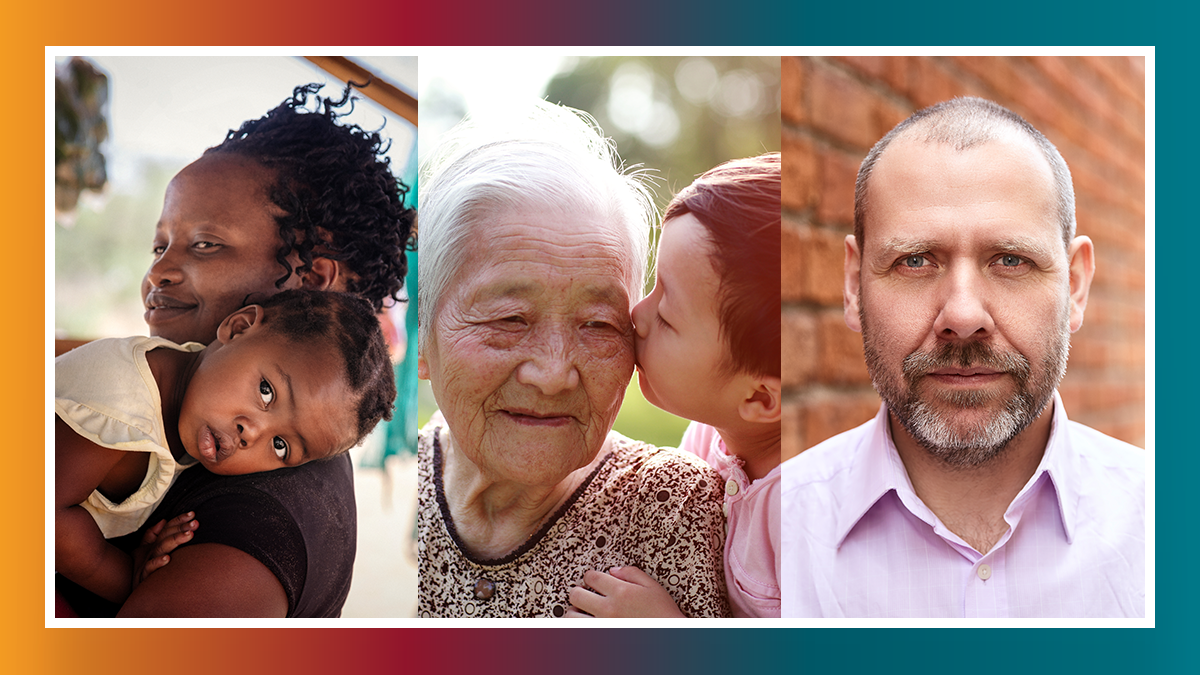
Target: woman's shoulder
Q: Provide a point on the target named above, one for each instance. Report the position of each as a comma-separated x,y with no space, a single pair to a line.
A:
651,465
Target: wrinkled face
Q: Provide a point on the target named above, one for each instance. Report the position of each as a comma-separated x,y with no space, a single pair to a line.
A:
964,302
681,358
531,348
259,401
213,246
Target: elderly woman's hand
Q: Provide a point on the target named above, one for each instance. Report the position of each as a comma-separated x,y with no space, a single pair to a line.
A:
624,592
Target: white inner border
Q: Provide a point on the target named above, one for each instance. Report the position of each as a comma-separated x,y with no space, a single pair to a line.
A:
493,53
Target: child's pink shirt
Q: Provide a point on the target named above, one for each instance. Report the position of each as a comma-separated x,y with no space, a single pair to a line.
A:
751,527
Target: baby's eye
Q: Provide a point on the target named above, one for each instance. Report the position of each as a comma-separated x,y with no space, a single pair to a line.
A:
265,392
661,321
281,447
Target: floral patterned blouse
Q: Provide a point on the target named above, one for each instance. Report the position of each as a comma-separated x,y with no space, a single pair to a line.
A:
656,508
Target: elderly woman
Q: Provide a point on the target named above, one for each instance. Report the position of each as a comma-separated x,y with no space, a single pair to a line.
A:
534,248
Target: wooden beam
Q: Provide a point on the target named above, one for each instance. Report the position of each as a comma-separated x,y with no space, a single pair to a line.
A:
379,90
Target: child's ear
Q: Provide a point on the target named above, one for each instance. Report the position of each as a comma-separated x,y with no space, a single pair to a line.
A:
239,322
764,403
325,275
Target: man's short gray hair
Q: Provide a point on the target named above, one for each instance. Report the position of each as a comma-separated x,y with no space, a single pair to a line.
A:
552,158
964,123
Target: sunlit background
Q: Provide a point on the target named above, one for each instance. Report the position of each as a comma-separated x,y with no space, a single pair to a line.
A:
678,116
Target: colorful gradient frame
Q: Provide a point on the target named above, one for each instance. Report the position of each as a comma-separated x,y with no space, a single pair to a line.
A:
30,647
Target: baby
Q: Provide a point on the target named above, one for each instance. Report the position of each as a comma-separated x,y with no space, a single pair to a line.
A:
708,349
301,377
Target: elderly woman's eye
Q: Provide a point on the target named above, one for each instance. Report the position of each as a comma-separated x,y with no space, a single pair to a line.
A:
265,392
599,324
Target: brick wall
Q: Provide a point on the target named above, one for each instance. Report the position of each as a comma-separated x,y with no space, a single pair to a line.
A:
835,108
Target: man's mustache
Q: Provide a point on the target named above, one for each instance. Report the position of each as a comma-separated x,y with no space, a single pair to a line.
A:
965,355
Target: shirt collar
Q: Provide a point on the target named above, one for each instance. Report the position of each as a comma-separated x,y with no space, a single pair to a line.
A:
877,470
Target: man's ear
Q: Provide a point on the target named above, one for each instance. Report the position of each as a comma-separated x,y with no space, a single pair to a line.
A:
1082,267
422,367
764,403
239,323
326,275
852,270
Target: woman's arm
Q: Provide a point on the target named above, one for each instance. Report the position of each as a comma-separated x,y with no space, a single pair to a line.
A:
209,580
80,552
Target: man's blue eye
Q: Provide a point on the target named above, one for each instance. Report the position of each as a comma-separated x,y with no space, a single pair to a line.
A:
914,261
1010,261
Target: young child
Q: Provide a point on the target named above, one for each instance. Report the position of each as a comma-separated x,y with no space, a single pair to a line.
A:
708,349
301,377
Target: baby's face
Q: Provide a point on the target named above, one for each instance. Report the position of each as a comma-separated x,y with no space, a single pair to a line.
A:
680,354
259,401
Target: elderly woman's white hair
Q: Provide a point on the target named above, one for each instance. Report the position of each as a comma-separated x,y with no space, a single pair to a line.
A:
551,157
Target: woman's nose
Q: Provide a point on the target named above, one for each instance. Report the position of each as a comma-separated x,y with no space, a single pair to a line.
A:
165,269
551,368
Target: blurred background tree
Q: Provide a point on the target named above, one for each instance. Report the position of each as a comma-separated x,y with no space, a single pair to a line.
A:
680,115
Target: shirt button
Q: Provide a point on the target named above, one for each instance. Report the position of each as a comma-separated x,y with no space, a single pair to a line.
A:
484,589
731,487
725,509
984,572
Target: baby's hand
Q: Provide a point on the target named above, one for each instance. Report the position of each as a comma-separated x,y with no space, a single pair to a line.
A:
624,592
159,541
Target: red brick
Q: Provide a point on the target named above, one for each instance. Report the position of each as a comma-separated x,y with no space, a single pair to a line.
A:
792,261
827,416
874,67
995,72
841,357
799,178
798,348
837,171
841,107
931,83
792,428
887,115
824,256
791,89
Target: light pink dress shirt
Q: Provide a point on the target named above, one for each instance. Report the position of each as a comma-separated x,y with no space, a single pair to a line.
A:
752,551
859,543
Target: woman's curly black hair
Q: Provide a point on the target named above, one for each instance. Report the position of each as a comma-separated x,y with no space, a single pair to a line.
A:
339,197
345,324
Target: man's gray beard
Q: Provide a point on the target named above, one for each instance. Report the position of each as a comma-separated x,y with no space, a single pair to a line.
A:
937,430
